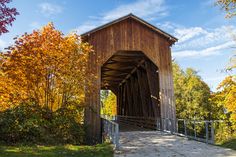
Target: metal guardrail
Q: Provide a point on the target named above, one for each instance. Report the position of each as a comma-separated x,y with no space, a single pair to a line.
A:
202,130
111,131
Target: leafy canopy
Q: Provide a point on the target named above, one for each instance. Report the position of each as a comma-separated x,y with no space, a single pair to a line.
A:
191,94
108,103
45,67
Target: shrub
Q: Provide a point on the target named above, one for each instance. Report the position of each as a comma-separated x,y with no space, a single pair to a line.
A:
29,123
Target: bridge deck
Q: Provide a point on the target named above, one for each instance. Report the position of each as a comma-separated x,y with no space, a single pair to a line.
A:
158,144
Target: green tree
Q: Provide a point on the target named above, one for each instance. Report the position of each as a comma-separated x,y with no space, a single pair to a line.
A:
191,93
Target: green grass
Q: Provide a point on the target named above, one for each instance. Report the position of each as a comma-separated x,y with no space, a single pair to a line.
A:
101,150
229,144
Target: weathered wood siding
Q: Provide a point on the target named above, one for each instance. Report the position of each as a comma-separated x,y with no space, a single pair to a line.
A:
129,35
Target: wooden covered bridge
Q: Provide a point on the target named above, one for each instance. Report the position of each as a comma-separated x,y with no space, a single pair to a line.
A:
133,59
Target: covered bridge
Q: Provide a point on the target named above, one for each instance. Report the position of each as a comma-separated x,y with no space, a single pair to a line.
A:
133,59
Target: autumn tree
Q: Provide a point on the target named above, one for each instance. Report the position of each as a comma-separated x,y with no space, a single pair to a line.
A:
108,103
45,67
226,93
7,15
227,88
228,96
191,93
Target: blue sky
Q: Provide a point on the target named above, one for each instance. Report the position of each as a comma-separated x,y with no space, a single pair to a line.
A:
205,36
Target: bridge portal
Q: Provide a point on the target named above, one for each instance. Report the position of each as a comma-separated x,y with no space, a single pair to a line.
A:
133,59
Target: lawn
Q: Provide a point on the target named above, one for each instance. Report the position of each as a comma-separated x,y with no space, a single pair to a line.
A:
101,150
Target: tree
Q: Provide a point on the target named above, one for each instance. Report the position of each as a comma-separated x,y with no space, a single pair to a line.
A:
109,104
47,68
228,97
7,16
229,6
191,93
227,88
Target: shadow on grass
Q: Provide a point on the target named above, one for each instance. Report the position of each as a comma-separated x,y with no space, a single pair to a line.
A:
101,150
230,144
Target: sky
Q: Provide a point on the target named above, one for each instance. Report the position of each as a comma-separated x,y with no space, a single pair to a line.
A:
205,35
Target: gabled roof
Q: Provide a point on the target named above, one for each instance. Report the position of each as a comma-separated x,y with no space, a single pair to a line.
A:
168,36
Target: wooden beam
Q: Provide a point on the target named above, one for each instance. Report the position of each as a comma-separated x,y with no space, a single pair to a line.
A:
152,76
134,96
123,67
118,101
132,71
121,64
112,79
130,54
130,103
142,93
114,74
112,69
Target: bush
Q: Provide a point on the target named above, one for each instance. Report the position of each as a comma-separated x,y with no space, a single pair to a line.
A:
29,123
223,132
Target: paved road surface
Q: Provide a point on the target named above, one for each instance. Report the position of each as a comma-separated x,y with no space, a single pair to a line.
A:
158,144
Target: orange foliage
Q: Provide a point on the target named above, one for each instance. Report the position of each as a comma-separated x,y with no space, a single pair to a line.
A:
45,67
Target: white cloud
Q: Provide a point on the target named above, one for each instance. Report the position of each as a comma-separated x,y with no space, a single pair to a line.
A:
86,27
208,37
49,9
214,50
142,8
169,26
200,42
185,34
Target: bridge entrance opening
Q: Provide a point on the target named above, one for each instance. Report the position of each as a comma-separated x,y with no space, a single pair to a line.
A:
134,79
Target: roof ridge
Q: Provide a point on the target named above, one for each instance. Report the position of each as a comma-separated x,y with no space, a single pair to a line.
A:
170,37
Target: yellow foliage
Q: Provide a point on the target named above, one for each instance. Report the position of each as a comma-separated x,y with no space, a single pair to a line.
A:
45,67
228,93
109,105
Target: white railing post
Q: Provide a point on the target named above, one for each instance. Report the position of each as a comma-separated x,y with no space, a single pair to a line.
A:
212,132
208,136
117,136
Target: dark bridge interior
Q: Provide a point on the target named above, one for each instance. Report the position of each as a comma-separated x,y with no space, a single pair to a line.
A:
134,79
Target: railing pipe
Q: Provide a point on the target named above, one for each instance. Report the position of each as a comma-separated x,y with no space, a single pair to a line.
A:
212,132
111,129
206,124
